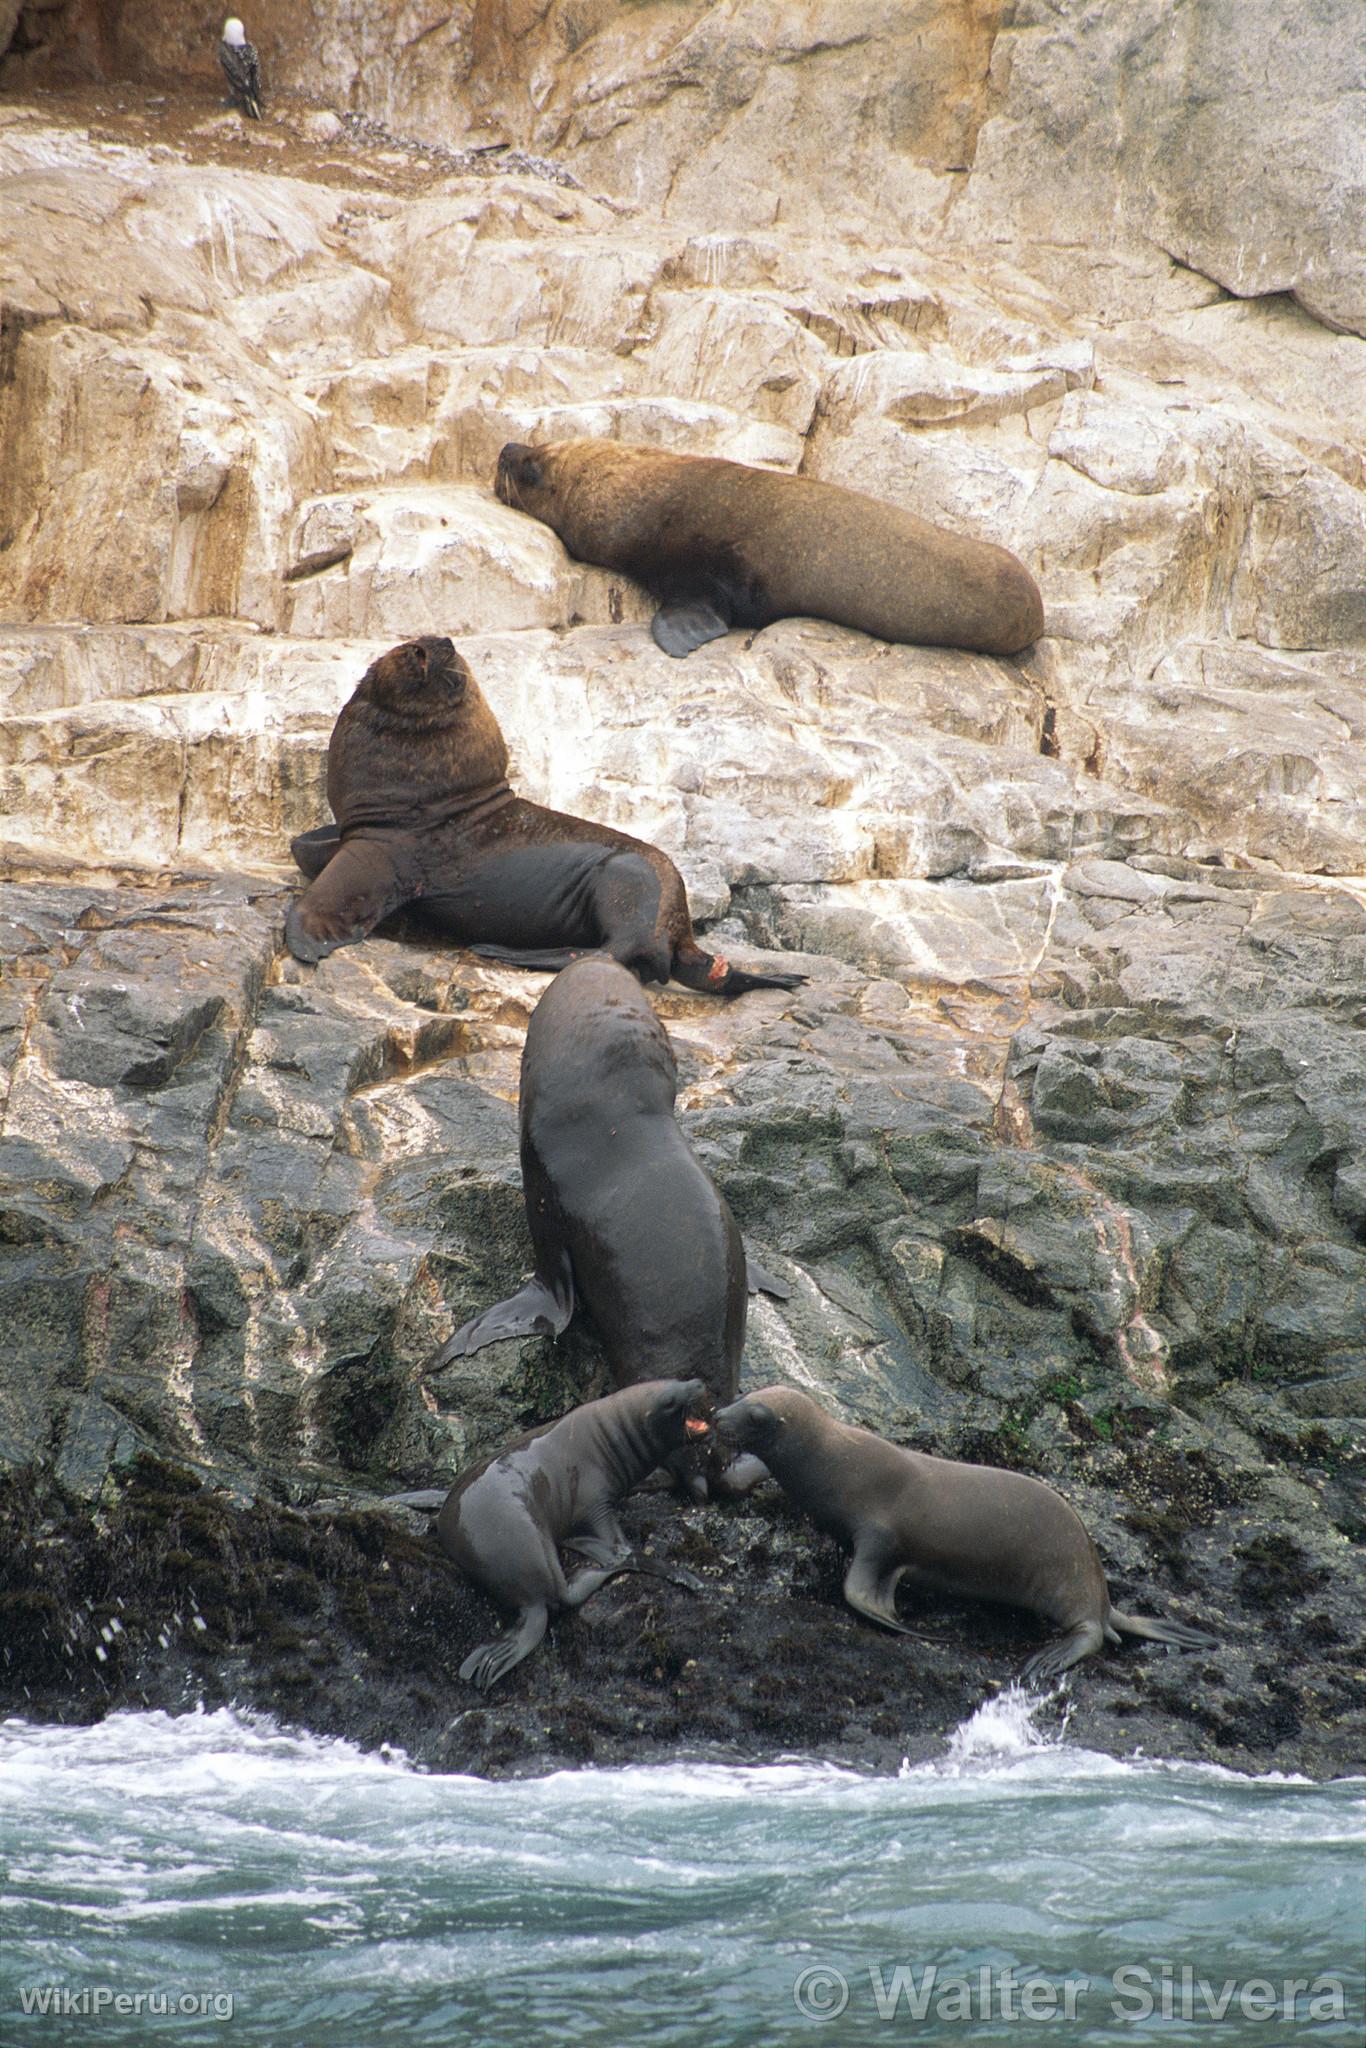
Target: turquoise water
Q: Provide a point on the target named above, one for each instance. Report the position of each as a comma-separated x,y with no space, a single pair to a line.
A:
333,1898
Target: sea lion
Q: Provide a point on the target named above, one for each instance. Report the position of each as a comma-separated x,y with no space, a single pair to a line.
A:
417,779
504,1520
622,1213
969,1530
720,544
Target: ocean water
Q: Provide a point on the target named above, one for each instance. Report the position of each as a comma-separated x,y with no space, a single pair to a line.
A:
232,1882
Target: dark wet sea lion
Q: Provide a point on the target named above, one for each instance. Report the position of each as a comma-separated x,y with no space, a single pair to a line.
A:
720,544
417,779
622,1213
969,1530
504,1520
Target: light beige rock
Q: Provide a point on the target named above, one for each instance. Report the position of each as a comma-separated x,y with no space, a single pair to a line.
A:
436,558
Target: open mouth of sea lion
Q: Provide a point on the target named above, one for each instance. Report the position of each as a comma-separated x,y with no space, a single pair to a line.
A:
695,1425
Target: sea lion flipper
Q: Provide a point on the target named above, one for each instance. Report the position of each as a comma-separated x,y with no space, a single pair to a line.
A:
535,1310
361,885
597,1549
546,959
1179,1634
679,628
761,1280
491,1661
741,1476
713,973
1083,1640
870,1588
313,850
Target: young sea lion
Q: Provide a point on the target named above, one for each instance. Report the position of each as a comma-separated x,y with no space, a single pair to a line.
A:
969,1530
620,1209
720,544
504,1519
417,779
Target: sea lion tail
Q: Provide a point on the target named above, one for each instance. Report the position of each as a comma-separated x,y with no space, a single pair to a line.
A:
712,975
1178,1633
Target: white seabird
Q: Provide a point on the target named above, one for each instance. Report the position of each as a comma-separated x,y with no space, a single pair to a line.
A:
242,65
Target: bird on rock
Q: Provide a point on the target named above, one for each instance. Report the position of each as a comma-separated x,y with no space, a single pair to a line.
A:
242,65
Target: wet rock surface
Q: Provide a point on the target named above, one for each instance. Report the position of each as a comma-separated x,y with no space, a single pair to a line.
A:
1059,1149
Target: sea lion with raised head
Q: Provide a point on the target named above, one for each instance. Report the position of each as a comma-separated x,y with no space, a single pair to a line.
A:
505,1519
973,1531
417,780
622,1213
720,544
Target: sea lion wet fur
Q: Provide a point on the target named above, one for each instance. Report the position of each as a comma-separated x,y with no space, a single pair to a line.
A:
505,1519
972,1531
721,544
621,1212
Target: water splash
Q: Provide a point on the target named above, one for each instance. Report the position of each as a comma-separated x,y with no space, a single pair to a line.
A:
1004,1730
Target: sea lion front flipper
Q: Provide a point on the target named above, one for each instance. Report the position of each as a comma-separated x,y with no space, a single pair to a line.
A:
679,628
741,1476
536,1310
870,1588
361,885
760,1279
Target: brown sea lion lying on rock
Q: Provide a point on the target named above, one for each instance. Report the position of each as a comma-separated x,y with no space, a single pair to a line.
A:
973,1531
720,544
417,780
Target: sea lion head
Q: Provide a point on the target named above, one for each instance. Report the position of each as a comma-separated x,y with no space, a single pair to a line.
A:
762,1422
521,476
416,733
419,679
586,491
674,1412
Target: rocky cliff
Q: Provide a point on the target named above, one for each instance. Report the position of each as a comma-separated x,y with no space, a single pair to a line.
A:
1061,1149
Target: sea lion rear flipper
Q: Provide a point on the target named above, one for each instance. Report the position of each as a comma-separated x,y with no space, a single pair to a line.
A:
361,885
491,1661
712,973
535,1310
547,959
761,1280
1082,1640
1178,1633
597,1550
313,850
679,628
